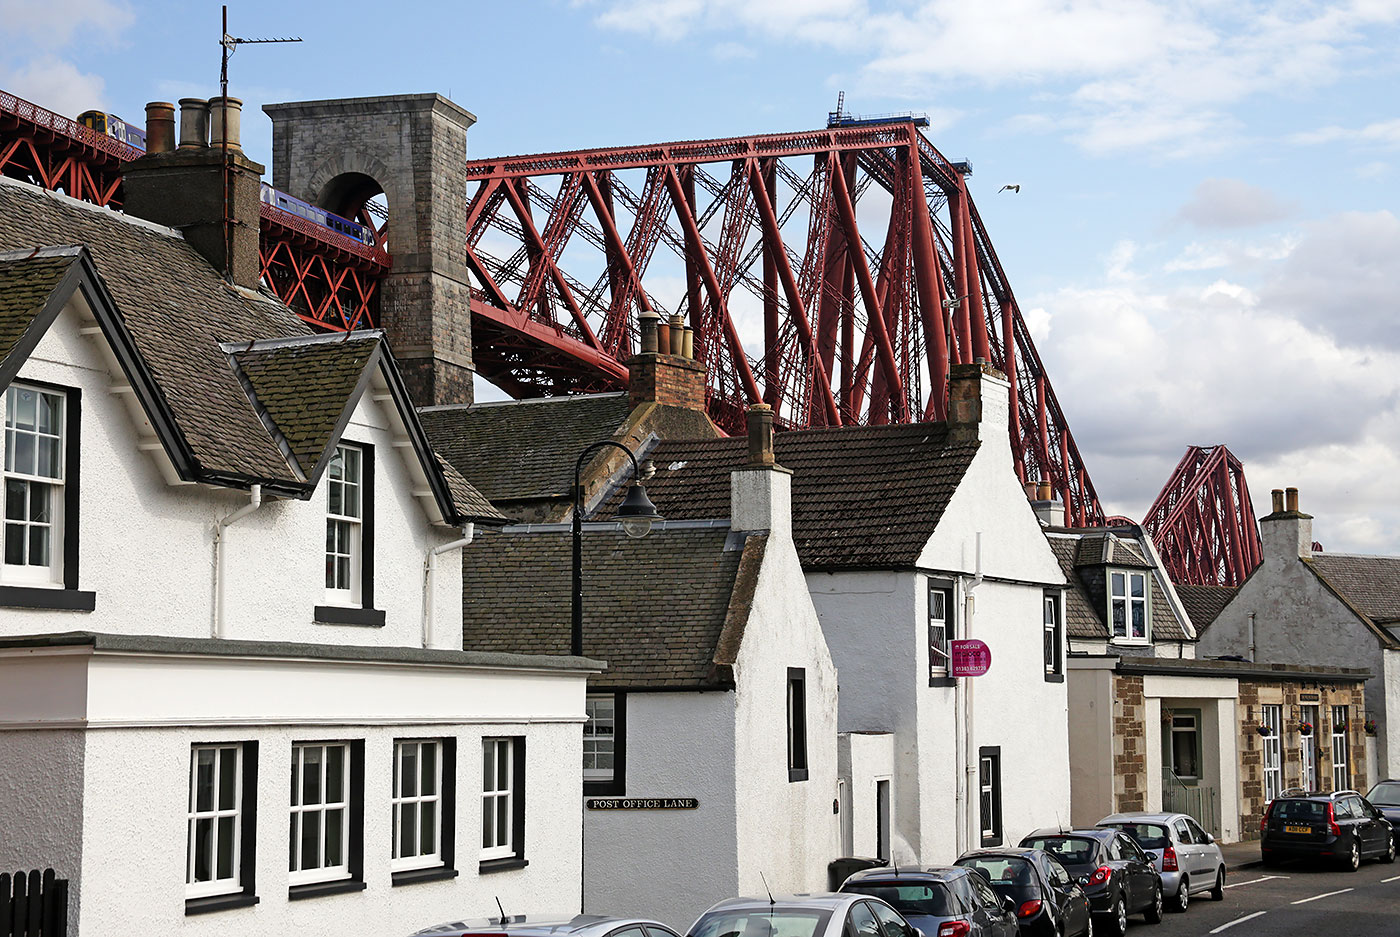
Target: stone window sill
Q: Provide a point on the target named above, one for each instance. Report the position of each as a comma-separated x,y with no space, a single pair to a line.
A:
508,864
219,903
340,615
415,876
321,889
68,600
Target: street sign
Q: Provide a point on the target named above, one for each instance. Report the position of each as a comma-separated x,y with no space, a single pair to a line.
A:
970,658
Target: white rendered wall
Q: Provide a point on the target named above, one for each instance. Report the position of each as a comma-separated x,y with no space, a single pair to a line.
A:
141,537
865,759
130,785
668,864
786,829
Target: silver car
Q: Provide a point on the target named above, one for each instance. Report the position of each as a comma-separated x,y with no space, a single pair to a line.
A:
816,915
1186,855
551,925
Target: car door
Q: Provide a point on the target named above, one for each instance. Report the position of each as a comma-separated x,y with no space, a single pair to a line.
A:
1066,896
1000,921
861,921
1371,842
1204,862
1116,856
892,923
659,930
1185,848
1144,872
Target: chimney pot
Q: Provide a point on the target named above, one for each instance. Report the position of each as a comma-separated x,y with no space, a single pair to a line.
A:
688,343
160,127
1277,496
1291,499
194,123
647,322
1045,491
760,422
663,337
1032,490
225,123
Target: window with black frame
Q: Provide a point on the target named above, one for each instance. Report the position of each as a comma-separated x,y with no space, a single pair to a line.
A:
1053,635
940,631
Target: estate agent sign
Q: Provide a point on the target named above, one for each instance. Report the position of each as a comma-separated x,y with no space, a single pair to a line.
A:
970,658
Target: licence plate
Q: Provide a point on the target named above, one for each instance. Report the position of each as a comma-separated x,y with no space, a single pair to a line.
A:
1297,829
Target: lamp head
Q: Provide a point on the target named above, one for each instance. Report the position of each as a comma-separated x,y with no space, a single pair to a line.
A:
636,512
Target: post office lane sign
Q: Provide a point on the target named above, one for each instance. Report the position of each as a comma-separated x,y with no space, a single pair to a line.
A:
643,803
970,657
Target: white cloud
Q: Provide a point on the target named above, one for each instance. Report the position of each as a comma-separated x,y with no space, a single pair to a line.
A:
56,85
53,23
729,51
1232,203
1385,133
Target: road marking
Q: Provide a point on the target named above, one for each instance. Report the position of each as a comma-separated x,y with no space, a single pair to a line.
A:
1393,878
1238,920
1328,894
1255,881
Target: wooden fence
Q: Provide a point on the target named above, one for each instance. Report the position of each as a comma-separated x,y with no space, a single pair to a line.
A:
33,905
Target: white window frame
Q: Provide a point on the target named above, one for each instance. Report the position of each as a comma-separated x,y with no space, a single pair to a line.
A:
1190,726
1052,635
48,575
1341,749
493,844
1128,602
214,886
299,811
1271,715
596,744
413,803
945,594
351,524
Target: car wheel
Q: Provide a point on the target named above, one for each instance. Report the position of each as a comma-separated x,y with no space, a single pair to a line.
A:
1218,892
1153,914
1389,855
1119,922
1183,896
1353,860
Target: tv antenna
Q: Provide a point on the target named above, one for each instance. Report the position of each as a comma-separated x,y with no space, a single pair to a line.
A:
230,45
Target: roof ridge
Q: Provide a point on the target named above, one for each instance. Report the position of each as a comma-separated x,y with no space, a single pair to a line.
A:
482,404
62,199
42,253
295,341
1359,556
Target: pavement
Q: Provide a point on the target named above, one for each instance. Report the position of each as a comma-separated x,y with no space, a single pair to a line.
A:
1243,855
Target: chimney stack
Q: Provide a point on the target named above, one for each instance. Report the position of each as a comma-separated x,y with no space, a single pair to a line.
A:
1286,534
664,371
760,493
212,203
160,127
1048,511
978,404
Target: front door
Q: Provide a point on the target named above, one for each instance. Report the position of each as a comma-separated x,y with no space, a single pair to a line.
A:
1308,749
882,819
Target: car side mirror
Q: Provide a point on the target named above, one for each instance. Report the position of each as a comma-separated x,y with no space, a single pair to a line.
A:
1009,904
1209,839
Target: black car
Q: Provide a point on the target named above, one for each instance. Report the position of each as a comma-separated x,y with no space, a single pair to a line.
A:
1118,877
1341,826
1048,902
940,902
1385,797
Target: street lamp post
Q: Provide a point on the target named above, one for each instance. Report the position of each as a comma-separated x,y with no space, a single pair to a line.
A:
636,512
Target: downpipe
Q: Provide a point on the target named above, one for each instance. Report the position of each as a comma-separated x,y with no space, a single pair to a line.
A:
216,629
971,788
429,568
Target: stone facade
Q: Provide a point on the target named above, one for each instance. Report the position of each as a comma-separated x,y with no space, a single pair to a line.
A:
1129,744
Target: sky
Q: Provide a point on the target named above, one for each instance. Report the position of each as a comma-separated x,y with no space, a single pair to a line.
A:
1205,243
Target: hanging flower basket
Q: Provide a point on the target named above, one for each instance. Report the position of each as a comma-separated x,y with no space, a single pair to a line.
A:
1341,725
1166,716
1305,728
1370,726
1262,729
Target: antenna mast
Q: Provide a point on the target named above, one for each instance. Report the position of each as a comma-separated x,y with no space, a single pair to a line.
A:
229,45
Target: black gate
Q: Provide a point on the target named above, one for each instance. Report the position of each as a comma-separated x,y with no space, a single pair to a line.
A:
33,905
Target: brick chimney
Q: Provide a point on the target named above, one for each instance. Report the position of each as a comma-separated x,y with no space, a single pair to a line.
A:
185,189
662,372
1286,533
978,403
760,493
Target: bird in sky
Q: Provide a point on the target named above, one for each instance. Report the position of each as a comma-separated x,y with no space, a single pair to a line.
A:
1013,188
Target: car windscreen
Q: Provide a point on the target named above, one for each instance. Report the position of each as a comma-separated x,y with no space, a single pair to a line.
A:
1148,835
1306,811
931,898
762,922
1003,872
1070,850
1387,793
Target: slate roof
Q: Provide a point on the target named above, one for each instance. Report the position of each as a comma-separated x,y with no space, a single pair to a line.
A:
1371,583
666,610
1204,603
1081,619
167,315
863,497
1085,556
523,449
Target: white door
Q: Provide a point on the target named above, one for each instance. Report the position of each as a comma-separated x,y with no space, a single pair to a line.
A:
1308,749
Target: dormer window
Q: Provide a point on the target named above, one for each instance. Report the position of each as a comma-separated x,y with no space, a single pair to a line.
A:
35,421
1128,605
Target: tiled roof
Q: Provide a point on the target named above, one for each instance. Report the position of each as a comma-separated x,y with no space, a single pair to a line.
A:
1204,603
1105,548
178,310
25,285
1371,583
305,389
863,497
523,449
1085,556
469,501
1081,619
666,610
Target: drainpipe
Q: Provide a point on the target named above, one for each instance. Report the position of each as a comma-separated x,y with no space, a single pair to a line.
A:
429,566
974,822
254,502
1251,637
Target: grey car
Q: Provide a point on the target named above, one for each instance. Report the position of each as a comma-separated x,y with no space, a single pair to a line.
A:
815,915
1186,855
551,925
940,900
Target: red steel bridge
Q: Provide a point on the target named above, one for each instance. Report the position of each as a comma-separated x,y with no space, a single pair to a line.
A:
834,274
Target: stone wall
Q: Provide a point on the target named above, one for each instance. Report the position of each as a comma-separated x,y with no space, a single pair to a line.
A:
1129,745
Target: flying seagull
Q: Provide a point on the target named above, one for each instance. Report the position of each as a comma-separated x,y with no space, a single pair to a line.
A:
1013,188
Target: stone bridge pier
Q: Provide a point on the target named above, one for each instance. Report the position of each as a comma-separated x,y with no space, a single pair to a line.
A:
338,154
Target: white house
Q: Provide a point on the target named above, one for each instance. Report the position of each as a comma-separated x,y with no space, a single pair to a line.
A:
232,692
709,761
910,537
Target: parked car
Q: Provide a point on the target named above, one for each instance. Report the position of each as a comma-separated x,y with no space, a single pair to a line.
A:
1385,797
819,915
940,902
1185,855
1117,876
1341,826
556,925
1049,902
